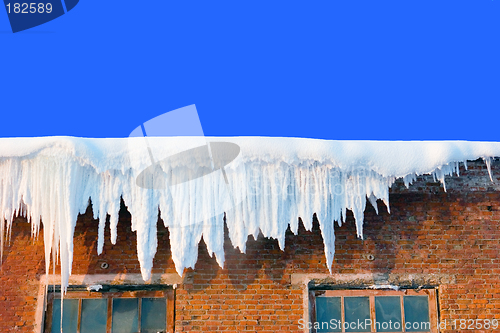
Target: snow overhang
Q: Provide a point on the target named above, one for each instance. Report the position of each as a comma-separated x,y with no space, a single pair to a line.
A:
261,184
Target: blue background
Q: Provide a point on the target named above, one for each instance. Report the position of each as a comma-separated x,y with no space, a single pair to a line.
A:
379,70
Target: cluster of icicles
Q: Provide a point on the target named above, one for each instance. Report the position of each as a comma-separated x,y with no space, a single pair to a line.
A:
265,190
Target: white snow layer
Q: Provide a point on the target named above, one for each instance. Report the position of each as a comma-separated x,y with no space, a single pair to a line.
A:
271,183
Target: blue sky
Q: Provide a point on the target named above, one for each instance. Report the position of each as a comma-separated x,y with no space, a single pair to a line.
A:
367,70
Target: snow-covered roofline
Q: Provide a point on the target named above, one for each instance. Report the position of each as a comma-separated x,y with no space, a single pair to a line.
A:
263,185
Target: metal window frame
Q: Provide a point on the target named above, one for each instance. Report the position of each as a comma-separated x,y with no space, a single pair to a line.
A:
110,293
431,293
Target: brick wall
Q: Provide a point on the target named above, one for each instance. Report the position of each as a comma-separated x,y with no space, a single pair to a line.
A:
447,239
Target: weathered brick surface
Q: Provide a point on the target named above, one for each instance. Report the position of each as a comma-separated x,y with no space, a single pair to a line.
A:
428,231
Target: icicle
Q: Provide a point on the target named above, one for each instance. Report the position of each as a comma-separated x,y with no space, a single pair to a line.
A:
409,179
487,160
373,200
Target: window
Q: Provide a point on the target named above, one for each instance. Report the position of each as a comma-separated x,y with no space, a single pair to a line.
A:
113,309
373,311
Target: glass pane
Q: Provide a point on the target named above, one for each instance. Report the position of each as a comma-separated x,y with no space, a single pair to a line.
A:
328,314
357,314
94,315
417,314
153,315
70,316
125,314
388,314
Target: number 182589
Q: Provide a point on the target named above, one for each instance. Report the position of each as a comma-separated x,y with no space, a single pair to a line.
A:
29,8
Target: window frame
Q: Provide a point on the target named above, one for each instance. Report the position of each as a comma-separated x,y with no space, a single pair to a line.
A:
371,293
112,292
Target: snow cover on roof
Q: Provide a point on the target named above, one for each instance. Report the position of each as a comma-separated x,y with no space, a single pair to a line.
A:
265,187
